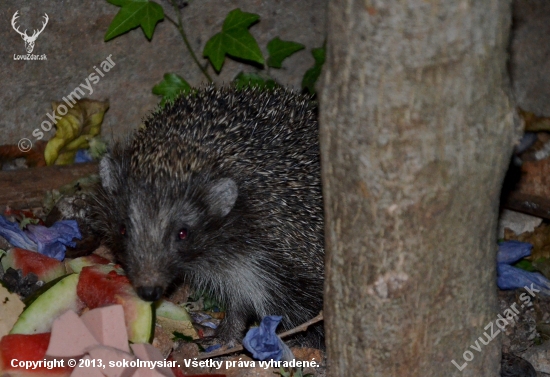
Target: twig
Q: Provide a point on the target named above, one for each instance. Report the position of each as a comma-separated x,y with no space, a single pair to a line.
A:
179,25
297,329
303,326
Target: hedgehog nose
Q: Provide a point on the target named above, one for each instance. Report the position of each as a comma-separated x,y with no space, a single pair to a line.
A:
150,293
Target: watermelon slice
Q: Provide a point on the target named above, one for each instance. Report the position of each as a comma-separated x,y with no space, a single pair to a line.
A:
40,314
172,317
44,267
103,285
27,348
77,264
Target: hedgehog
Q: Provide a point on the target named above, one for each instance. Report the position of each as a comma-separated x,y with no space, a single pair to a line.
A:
221,190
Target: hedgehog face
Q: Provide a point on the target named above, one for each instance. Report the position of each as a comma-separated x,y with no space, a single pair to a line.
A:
162,234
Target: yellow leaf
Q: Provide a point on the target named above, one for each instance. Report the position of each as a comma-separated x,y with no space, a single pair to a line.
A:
80,123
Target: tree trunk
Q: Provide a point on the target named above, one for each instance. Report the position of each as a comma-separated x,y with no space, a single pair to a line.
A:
416,135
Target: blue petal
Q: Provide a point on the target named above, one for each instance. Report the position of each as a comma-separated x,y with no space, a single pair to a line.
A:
512,251
14,235
52,241
67,230
512,278
82,155
212,348
55,250
263,342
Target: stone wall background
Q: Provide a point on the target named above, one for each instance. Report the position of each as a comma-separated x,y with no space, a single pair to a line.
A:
73,44
530,55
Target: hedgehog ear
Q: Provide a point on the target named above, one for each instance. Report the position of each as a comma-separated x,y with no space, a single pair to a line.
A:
108,170
221,197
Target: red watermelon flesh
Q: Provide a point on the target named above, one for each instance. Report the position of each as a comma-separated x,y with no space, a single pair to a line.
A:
44,267
27,348
103,285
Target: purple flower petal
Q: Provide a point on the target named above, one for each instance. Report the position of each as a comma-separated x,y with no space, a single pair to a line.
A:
15,236
512,278
82,155
512,251
52,241
212,348
263,342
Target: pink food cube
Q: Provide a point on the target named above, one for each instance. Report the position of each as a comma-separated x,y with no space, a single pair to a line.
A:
70,337
108,326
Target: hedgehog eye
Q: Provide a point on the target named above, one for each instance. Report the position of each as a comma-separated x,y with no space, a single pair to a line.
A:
122,230
182,234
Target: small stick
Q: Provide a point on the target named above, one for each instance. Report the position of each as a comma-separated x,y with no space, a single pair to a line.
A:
303,326
297,329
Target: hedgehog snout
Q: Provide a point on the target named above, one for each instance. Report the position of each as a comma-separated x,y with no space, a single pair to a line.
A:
150,293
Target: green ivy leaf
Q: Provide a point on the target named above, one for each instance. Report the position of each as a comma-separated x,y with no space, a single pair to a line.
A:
237,19
234,40
118,3
239,43
279,50
245,80
172,86
134,13
214,50
312,74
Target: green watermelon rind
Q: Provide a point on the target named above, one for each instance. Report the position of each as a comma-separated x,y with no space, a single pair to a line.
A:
8,260
32,298
143,328
77,264
39,316
167,309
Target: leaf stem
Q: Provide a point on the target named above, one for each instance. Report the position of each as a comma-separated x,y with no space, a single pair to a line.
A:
179,25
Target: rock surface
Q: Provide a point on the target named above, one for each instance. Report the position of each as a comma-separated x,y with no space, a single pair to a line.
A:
529,50
73,44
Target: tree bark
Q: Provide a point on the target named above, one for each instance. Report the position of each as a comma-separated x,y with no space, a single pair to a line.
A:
416,134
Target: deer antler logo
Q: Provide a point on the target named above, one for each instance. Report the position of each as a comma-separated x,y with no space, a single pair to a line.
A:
29,40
